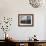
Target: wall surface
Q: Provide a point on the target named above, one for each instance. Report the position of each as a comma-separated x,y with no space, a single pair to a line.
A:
11,8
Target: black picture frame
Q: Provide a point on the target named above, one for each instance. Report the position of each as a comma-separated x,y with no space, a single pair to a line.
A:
25,20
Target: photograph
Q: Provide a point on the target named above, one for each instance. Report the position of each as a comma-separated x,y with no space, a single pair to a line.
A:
25,20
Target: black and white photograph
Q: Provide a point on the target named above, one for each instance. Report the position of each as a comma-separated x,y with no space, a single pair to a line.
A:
25,19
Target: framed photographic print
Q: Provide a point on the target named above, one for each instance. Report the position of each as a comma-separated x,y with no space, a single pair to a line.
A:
25,20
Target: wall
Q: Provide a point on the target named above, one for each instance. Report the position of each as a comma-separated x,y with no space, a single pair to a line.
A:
11,8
